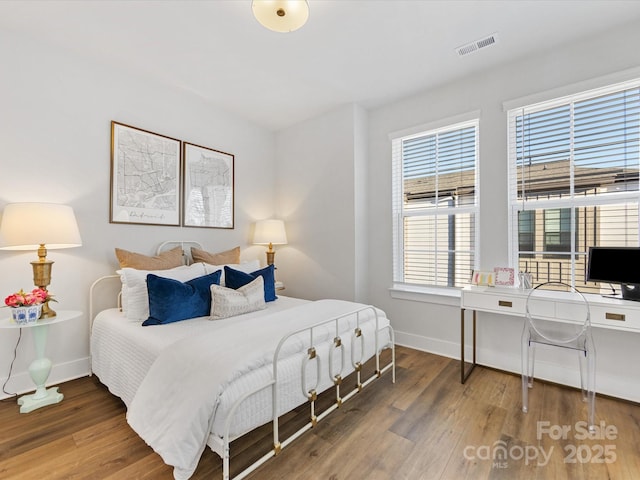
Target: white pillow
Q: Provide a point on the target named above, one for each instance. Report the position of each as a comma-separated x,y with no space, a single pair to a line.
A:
246,267
226,302
135,299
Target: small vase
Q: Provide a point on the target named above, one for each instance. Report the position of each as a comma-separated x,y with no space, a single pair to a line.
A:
27,314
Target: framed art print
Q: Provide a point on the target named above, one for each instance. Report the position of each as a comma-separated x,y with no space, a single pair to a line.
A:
207,187
481,278
504,276
145,177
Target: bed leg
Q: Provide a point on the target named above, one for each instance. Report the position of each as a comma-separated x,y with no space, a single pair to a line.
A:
337,381
393,359
313,396
225,463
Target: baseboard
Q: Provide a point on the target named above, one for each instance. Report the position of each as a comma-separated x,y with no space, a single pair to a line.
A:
21,383
607,383
432,345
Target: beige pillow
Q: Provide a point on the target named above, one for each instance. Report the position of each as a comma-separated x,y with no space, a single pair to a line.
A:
226,302
220,258
164,261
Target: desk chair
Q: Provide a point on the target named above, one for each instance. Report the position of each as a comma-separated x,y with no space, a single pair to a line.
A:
540,327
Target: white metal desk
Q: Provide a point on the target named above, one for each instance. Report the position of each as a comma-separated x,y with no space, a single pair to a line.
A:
40,368
609,313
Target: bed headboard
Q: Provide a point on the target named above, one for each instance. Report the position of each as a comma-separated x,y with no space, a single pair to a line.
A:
186,248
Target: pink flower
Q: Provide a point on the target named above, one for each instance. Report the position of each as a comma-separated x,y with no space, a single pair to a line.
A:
30,299
40,295
13,300
21,298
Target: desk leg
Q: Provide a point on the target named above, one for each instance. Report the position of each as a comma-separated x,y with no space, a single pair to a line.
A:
39,371
465,374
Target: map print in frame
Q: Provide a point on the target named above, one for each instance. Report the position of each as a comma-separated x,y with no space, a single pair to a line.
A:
208,187
145,177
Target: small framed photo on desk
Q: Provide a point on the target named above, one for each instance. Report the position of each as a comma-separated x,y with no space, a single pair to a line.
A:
504,276
485,279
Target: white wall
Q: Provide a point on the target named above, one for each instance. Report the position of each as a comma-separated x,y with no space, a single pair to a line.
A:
55,114
435,326
317,198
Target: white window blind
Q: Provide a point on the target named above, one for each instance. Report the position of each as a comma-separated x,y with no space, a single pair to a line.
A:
574,167
435,205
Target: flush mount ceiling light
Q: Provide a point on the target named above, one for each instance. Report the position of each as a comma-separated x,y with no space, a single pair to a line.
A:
281,15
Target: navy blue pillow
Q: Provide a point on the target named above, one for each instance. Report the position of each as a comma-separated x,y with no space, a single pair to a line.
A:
236,279
171,300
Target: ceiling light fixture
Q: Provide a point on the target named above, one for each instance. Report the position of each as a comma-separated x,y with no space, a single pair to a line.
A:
281,15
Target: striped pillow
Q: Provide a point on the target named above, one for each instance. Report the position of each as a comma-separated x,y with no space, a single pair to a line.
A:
227,302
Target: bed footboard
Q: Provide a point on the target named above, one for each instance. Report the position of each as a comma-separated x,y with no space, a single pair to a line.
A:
335,361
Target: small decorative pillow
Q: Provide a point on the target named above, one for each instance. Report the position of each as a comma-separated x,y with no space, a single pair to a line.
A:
246,267
165,260
171,300
220,258
226,302
135,298
236,279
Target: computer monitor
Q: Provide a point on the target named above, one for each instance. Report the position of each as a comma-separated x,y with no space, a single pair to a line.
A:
616,265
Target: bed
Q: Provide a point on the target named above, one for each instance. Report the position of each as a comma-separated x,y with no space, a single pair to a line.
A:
241,372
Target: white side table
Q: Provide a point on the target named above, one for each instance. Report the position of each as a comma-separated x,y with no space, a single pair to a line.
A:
41,366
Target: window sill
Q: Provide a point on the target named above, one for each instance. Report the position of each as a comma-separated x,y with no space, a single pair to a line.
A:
440,296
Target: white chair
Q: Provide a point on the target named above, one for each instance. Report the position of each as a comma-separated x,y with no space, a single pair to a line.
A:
540,327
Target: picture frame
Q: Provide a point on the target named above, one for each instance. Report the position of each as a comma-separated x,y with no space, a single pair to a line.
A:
208,187
483,278
504,276
145,177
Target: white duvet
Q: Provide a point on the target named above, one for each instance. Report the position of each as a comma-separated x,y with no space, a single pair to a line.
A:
176,403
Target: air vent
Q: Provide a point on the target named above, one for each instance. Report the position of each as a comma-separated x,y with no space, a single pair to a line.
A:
477,45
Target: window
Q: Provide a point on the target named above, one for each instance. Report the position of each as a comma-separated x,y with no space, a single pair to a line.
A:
435,205
557,230
574,167
527,232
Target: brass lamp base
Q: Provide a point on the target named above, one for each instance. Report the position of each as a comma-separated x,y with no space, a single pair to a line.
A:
47,312
271,254
42,278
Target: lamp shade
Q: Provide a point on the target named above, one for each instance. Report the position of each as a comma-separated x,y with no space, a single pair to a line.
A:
269,232
281,15
26,226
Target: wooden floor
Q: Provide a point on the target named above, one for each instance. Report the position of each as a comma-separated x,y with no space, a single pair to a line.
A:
426,426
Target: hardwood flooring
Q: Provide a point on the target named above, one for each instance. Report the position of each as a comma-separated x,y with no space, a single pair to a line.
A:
426,426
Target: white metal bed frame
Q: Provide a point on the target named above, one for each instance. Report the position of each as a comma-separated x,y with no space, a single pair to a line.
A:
221,446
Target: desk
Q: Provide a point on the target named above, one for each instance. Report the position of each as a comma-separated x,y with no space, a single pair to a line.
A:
608,313
41,366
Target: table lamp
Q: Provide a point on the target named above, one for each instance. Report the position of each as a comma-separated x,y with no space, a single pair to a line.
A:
270,232
39,226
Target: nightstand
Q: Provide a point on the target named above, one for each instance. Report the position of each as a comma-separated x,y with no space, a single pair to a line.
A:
41,366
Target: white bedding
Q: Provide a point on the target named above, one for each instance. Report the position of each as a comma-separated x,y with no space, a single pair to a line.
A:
135,363
122,350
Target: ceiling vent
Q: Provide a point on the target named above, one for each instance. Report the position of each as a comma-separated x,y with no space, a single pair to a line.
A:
477,45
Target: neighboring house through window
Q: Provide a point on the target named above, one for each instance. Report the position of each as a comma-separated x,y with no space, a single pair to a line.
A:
435,202
557,230
574,167
527,232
